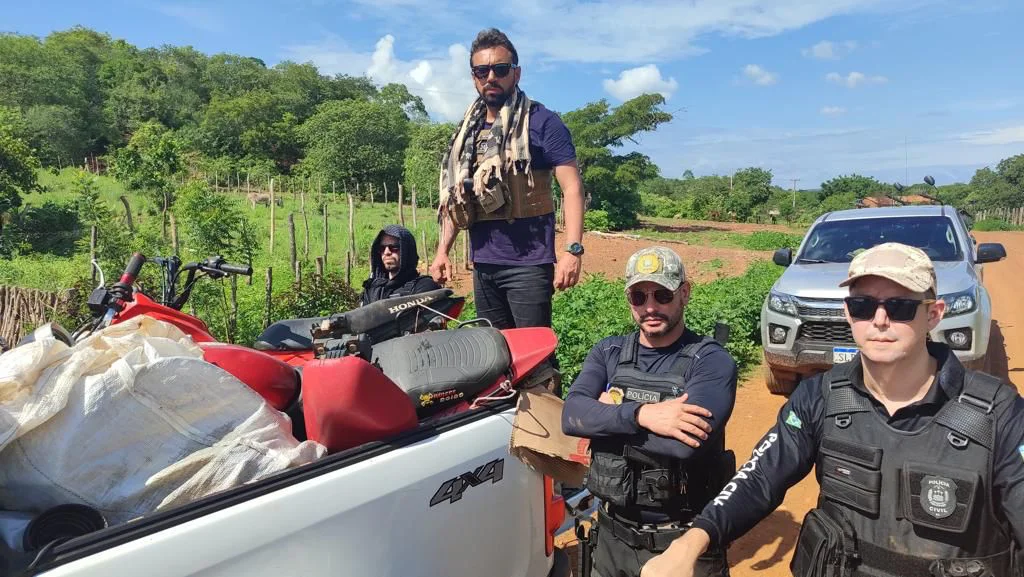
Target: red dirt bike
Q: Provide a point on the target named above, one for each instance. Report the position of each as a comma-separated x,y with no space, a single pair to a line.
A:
365,380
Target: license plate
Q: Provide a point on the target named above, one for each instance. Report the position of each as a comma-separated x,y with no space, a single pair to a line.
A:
843,354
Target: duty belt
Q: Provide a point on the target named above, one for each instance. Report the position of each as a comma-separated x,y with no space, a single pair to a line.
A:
638,536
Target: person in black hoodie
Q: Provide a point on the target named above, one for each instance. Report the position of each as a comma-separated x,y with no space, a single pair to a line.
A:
393,262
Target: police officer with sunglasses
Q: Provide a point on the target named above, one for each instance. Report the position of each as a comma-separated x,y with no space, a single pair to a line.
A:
654,405
920,462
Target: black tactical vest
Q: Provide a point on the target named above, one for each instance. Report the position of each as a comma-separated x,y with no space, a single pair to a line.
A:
910,503
626,477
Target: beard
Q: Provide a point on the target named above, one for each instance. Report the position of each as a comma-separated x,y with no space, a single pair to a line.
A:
494,100
670,324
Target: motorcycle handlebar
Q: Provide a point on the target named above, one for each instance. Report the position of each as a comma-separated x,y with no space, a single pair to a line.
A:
236,269
132,270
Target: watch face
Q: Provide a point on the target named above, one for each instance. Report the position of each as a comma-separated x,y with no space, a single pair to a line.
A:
575,248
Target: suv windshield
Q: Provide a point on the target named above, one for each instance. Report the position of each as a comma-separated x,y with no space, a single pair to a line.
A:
841,240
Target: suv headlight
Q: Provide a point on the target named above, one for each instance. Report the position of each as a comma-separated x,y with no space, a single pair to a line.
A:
961,302
781,303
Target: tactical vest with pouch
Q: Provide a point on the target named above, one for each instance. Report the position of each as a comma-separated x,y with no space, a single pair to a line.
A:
519,199
898,503
626,477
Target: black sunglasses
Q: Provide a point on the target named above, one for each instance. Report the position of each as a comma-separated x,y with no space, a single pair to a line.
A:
638,297
500,70
900,310
392,247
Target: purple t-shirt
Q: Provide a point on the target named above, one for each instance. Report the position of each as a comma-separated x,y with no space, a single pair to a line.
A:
527,241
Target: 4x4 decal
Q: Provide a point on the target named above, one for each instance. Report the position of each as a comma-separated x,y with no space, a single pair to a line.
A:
452,489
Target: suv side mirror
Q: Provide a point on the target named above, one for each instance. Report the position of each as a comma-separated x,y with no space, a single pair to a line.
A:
990,252
784,256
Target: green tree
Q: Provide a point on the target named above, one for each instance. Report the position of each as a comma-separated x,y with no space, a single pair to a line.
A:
860,186
352,140
612,180
399,95
148,162
17,171
427,144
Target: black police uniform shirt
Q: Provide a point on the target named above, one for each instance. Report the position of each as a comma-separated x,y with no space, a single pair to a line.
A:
711,384
788,452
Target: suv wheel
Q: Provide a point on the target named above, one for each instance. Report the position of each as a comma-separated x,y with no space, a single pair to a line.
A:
779,382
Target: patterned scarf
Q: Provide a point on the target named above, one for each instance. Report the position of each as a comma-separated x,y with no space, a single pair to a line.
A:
507,152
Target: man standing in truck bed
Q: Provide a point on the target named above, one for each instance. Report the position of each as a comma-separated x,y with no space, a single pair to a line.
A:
496,182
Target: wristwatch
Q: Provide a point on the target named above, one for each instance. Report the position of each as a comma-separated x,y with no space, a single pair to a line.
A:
575,249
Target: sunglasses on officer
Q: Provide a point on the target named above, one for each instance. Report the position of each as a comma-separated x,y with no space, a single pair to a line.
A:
501,70
901,310
393,247
638,297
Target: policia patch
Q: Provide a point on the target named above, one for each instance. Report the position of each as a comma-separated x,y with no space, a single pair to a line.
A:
938,496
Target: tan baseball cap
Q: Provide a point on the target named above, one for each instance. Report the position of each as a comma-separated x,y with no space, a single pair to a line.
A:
656,264
905,265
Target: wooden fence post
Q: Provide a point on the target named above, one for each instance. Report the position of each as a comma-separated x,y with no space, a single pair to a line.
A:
325,234
292,252
272,203
298,275
351,227
174,233
401,209
385,192
305,224
319,267
348,269
414,207
269,296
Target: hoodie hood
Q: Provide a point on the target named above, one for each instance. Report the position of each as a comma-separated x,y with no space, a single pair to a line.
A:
408,258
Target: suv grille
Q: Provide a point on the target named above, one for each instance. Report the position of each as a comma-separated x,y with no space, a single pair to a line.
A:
828,332
807,311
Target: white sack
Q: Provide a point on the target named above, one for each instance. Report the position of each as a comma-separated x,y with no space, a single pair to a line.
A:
132,420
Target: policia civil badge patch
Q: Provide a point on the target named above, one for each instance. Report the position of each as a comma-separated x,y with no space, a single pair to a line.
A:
938,496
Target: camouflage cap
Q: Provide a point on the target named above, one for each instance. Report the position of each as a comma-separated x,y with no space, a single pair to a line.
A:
905,265
656,264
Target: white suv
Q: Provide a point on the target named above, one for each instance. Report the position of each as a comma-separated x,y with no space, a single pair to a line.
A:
803,328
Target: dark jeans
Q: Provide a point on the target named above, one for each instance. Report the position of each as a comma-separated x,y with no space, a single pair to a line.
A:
614,558
514,296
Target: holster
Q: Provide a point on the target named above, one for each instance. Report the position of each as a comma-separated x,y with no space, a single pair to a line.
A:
587,544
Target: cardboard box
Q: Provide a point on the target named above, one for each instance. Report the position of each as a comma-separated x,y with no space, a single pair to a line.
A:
537,439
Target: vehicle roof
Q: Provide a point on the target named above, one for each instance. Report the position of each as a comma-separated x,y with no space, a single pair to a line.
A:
889,212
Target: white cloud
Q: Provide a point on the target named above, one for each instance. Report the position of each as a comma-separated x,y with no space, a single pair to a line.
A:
640,80
443,83
624,31
997,136
828,50
832,110
194,14
854,79
759,75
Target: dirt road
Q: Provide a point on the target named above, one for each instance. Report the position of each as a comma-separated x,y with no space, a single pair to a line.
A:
767,549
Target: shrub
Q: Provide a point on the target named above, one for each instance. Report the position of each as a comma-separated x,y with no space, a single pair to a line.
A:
995,224
596,308
596,220
770,240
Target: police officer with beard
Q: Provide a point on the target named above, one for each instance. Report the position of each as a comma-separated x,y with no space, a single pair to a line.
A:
654,405
920,462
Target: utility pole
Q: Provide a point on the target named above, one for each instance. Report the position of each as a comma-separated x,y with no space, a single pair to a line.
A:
795,180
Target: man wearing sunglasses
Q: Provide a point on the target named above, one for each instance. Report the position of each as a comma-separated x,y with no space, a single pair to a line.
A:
920,462
654,405
393,262
496,183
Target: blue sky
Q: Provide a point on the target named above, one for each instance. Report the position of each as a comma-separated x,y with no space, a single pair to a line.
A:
810,89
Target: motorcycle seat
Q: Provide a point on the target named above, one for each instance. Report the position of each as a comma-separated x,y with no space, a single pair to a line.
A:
288,335
439,368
